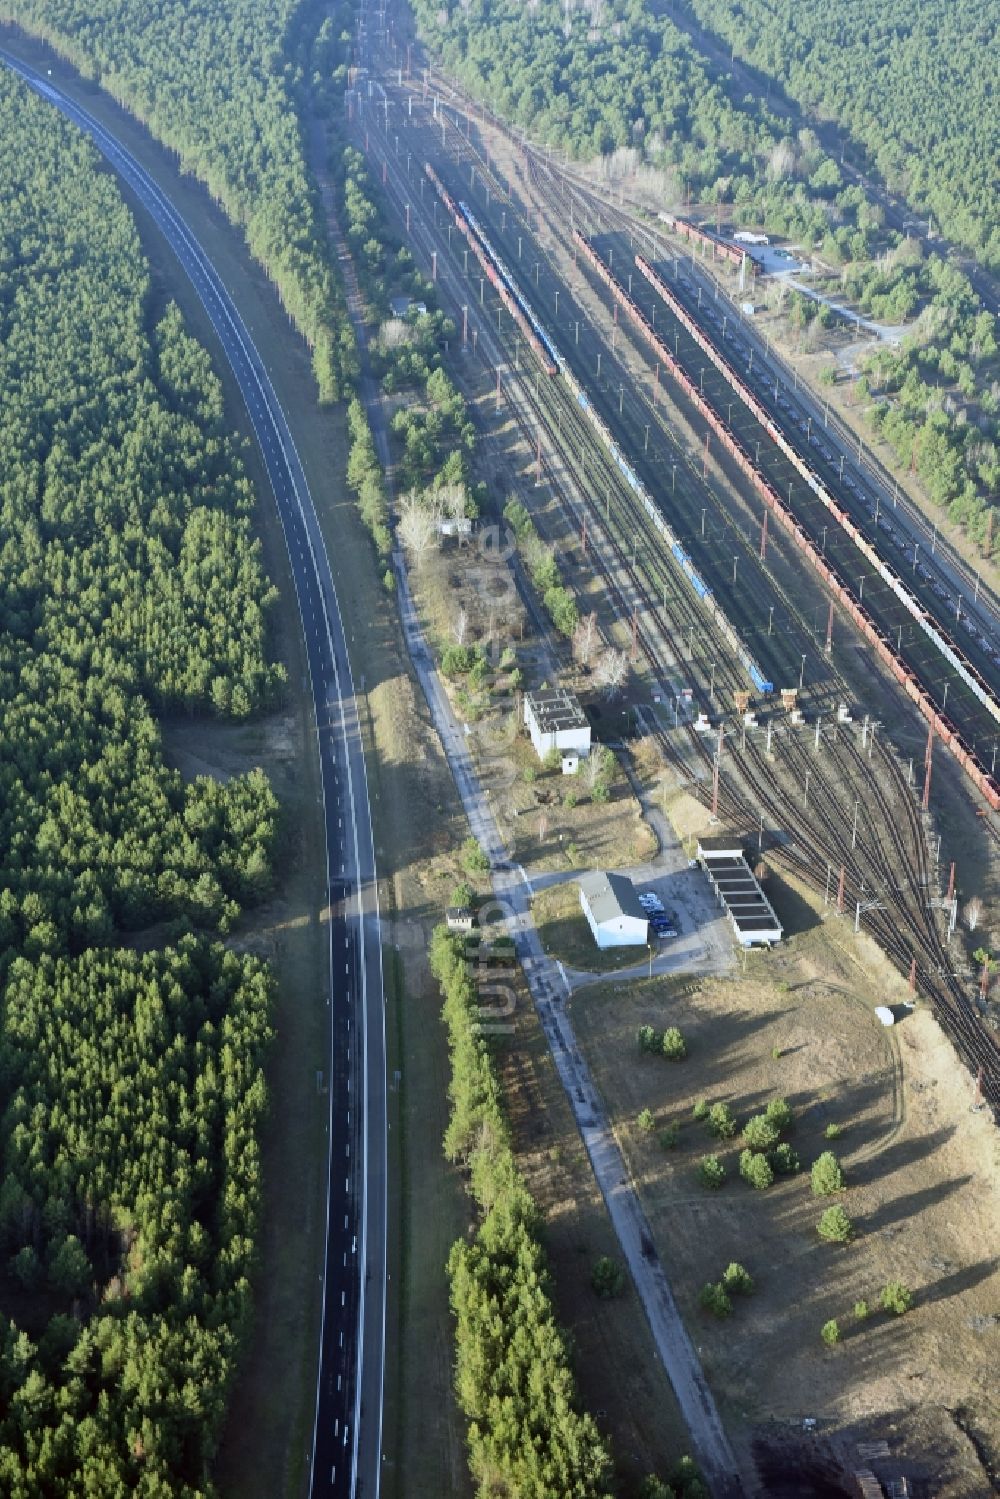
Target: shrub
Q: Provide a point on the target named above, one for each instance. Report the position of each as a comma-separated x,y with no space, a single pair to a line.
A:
759,1133
779,1114
607,1278
835,1227
700,1110
553,758
649,1038
737,1280
570,800
833,1131
714,1299
646,1122
721,1121
755,1169
896,1298
826,1175
654,1488
669,1136
462,894
474,857
784,1160
776,1052
389,581
456,660
712,1171
673,1045
686,1480
861,1310
830,1332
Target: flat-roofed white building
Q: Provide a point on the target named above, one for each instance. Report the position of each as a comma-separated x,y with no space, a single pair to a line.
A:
612,909
555,720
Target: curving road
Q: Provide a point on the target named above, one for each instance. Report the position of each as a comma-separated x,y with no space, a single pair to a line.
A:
347,1436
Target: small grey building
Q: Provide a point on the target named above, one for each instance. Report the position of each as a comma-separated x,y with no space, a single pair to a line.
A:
612,909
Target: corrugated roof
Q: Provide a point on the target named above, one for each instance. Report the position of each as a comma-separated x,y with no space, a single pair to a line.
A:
610,895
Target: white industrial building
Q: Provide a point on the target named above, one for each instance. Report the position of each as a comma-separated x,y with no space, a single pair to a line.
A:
612,909
555,720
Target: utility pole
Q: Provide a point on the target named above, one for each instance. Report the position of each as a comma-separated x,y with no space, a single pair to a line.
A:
928,763
829,629
763,540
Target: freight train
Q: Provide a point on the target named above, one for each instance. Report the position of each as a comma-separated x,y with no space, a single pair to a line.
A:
554,362
941,725
721,248
949,648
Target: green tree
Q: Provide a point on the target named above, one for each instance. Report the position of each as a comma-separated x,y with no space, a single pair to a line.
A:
737,1280
759,1133
830,1332
607,1278
673,1045
826,1175
712,1172
835,1226
474,857
70,1270
714,1299
654,1488
784,1160
755,1170
649,1039
896,1298
722,1122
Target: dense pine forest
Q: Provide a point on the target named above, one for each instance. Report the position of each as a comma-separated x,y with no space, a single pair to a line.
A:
131,1089
210,82
914,80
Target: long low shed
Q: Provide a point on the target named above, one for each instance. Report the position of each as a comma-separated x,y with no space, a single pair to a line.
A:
738,891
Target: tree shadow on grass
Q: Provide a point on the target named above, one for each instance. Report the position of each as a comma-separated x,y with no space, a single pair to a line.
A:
898,1155
911,1204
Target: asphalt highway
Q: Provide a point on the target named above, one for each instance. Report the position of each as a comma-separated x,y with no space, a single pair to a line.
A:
346,1453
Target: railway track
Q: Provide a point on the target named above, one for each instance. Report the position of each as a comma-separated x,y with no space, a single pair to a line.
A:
908,929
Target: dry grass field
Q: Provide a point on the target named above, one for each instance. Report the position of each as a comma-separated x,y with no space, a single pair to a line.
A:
923,1190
